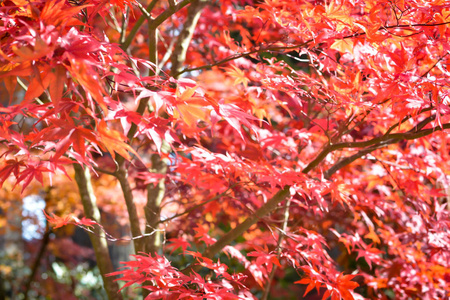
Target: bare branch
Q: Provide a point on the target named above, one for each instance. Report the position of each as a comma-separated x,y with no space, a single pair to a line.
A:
406,118
155,195
167,55
104,171
348,160
418,25
124,26
144,11
152,50
192,208
122,172
435,64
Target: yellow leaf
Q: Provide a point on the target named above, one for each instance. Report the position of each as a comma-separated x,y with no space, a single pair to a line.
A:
238,75
343,45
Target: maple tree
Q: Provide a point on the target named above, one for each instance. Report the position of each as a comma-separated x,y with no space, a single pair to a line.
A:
248,145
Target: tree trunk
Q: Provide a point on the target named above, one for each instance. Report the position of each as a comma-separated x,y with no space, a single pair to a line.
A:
184,39
155,195
98,239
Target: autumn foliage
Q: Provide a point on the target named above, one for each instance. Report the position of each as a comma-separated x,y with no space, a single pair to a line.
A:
271,149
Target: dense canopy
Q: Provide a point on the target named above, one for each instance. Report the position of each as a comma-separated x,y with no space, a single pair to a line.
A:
243,149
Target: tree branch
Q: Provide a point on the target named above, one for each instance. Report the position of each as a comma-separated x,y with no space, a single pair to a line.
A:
406,118
292,47
124,26
122,172
417,25
396,137
104,171
196,206
270,205
280,240
385,137
244,54
168,13
37,261
396,26
88,199
122,176
155,195
348,160
435,64
152,50
184,38
138,25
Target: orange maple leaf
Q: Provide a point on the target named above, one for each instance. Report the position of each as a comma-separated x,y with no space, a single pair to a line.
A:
113,141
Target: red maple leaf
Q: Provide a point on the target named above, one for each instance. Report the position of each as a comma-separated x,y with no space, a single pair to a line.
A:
56,221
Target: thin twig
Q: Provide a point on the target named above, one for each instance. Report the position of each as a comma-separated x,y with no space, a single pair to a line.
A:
196,206
291,47
435,64
406,118
144,12
244,54
112,173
